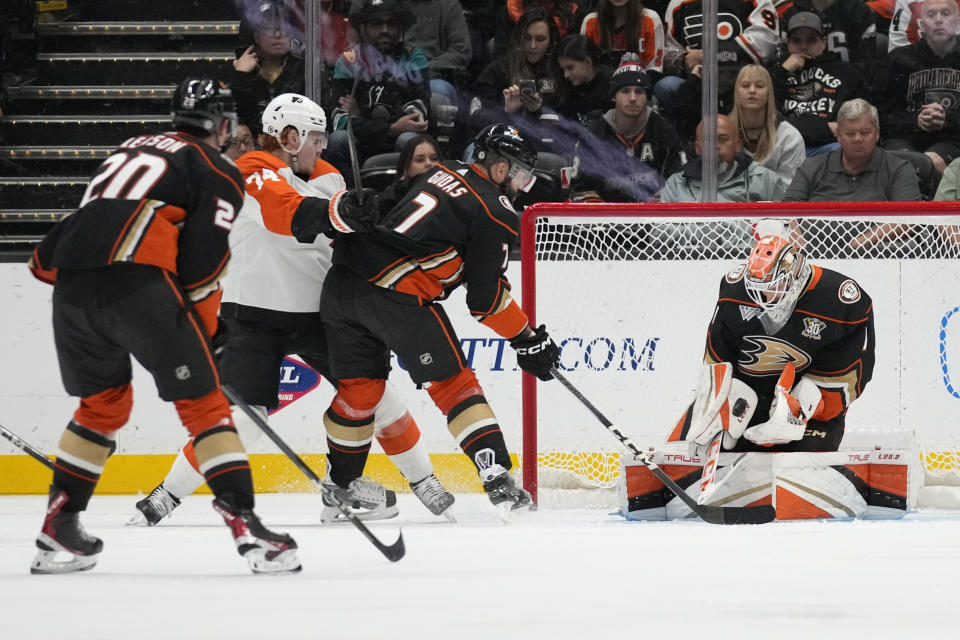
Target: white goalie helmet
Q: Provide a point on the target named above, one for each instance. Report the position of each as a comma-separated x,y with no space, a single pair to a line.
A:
294,110
776,274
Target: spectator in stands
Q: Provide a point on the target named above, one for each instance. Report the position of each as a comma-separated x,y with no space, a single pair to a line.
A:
739,178
764,134
586,81
241,143
392,98
619,26
265,66
812,83
750,35
949,188
481,18
440,31
920,110
525,83
419,154
905,24
858,170
565,15
630,150
849,27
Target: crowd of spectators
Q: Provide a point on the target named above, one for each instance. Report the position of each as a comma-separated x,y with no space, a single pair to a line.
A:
816,102
836,99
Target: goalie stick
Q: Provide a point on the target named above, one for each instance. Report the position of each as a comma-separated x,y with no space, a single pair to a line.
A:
713,515
26,447
392,552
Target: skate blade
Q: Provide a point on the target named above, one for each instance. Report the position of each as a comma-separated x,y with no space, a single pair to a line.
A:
284,562
138,520
332,515
45,563
511,511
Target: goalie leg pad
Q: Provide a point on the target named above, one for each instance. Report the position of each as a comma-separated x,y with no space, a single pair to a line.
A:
820,485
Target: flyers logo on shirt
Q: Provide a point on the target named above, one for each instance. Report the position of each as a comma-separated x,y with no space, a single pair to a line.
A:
297,379
763,355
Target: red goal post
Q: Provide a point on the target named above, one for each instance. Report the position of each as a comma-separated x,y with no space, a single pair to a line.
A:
627,291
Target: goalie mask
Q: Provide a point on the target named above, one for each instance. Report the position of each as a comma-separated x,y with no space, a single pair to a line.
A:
777,272
299,112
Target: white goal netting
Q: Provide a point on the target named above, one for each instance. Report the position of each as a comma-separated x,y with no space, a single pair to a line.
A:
628,292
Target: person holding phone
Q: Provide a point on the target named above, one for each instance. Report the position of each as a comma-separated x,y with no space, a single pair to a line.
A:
526,80
266,66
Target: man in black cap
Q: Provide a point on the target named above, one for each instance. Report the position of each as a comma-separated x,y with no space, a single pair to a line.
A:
381,83
633,148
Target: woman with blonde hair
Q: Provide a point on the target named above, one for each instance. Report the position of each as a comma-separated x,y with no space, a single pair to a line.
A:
764,135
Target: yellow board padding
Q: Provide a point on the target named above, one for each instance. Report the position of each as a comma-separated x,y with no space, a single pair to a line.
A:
272,473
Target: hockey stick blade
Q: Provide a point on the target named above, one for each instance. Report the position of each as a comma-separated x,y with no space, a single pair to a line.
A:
713,515
26,447
392,552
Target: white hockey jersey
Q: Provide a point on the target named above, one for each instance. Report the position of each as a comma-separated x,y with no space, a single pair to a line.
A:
270,269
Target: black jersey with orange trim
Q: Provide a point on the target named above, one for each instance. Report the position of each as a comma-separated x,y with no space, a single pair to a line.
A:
452,226
829,338
166,200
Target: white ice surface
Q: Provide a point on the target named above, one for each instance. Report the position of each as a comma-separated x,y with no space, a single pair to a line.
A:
554,574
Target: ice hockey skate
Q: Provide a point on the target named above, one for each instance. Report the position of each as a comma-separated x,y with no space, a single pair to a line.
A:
434,497
154,508
63,533
507,497
365,499
264,550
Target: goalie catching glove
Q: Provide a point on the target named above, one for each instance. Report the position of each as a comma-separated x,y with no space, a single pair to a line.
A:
536,353
349,215
789,411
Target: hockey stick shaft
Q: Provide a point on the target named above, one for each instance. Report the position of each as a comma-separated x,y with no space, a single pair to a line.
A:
351,145
393,552
713,515
26,447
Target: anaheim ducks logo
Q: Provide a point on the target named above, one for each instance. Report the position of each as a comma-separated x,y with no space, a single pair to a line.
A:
736,273
763,355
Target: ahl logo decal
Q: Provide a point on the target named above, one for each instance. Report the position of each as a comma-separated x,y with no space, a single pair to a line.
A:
812,328
764,355
849,291
297,379
736,273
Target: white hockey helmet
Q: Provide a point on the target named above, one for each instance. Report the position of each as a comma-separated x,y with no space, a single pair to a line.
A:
294,110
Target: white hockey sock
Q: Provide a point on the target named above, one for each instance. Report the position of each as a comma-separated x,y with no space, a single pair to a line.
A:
182,479
398,434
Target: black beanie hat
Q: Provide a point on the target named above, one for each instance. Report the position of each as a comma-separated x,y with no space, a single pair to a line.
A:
629,74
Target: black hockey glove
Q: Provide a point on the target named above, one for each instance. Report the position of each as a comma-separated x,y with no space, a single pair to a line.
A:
537,354
348,215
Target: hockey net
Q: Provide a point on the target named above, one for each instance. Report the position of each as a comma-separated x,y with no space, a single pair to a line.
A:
628,291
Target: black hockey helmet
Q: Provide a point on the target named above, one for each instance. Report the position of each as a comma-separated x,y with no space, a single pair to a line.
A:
507,142
504,140
200,104
383,10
